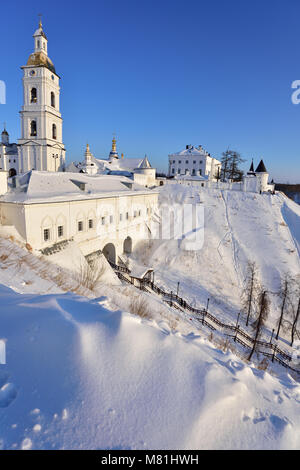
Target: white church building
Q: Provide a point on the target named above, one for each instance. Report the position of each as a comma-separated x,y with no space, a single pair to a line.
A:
101,205
138,169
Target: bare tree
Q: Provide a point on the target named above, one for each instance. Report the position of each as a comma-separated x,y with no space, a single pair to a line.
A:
284,294
249,297
230,165
225,164
294,325
90,275
264,306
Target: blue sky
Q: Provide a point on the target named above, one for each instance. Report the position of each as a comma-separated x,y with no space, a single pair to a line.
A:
163,74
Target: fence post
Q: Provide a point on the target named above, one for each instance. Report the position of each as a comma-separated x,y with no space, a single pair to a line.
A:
272,335
236,333
237,322
274,353
171,298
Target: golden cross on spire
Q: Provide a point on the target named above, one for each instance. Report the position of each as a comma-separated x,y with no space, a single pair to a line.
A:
40,23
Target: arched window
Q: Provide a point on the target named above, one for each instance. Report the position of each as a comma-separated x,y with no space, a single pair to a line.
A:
54,131
12,172
52,99
33,95
33,128
38,44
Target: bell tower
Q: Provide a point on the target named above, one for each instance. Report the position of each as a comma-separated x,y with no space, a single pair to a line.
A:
41,146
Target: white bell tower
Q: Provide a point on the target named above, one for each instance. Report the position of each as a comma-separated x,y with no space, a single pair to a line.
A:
41,144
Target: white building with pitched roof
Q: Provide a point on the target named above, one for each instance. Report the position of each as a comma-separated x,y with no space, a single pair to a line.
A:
194,161
107,213
139,169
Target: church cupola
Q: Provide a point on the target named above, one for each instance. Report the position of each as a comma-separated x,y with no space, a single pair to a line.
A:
113,153
88,155
5,137
40,55
40,40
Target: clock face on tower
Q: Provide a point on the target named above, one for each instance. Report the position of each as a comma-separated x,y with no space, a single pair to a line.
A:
32,72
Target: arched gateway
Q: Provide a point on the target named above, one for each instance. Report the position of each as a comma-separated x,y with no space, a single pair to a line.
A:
127,245
109,252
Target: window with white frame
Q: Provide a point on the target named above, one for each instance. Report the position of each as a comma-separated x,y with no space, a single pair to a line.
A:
91,223
60,231
46,234
80,226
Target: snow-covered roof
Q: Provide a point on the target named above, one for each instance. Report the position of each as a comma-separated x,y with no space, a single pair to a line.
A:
144,163
45,186
191,177
191,150
104,166
261,168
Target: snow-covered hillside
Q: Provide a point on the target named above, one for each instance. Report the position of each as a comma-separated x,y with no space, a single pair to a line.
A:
238,227
81,376
82,372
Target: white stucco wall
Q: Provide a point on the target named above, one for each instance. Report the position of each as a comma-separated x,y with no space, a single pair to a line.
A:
32,219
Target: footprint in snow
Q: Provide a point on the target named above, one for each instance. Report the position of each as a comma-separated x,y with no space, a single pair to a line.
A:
279,423
8,394
255,415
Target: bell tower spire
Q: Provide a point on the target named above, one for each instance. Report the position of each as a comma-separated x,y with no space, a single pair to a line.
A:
41,144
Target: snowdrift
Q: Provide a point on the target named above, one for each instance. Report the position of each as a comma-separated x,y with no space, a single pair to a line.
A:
81,376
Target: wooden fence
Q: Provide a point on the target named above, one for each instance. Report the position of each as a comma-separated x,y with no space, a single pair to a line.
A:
232,331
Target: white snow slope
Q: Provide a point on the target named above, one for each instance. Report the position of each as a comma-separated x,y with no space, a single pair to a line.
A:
238,227
81,376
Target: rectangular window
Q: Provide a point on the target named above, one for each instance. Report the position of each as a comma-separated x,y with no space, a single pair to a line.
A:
46,234
103,220
121,217
173,171
91,223
60,231
139,213
80,226
127,215
111,219
179,170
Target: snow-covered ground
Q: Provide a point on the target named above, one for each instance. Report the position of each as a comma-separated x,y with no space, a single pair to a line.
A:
81,376
238,228
81,372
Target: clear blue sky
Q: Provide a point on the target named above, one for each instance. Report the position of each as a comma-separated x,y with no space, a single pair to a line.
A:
163,74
